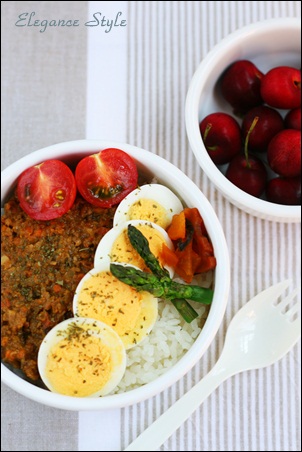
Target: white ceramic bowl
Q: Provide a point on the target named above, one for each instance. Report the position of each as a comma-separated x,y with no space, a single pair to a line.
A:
269,43
167,174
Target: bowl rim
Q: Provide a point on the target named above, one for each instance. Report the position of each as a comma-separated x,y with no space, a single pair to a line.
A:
250,204
222,277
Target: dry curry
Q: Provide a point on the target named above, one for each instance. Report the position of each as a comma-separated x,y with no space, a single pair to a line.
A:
42,263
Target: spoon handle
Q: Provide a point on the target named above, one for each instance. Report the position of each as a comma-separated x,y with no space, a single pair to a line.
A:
158,432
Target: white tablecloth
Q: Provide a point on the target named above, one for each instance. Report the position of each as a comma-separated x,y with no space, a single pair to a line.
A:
129,84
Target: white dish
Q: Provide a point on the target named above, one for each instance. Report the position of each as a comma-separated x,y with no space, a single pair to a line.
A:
167,174
269,43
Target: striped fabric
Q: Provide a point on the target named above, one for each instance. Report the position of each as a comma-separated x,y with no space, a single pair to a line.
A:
55,89
255,410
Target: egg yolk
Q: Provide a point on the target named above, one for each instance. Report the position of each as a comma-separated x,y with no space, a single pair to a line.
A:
79,366
144,323
147,209
103,297
123,251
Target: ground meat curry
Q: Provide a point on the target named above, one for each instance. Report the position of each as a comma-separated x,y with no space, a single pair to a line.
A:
42,263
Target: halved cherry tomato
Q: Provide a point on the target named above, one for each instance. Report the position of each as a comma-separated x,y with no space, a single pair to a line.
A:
46,191
104,179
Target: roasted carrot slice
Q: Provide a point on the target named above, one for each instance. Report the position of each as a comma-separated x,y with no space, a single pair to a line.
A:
193,249
177,228
204,246
168,256
207,263
188,260
192,214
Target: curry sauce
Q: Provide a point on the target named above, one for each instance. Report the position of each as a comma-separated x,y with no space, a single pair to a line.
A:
42,263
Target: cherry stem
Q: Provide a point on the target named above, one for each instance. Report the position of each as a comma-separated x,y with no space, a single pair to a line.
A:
206,132
246,152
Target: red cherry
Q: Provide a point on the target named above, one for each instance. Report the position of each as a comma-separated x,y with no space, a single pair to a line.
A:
293,119
240,86
284,153
249,175
248,172
281,87
269,123
221,136
284,190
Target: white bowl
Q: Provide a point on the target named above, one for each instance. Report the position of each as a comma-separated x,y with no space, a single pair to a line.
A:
167,174
269,43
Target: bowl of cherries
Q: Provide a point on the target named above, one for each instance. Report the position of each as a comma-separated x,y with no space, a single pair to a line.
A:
243,118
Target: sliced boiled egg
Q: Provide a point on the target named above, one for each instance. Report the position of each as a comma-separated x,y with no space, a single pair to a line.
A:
115,245
152,202
101,296
82,357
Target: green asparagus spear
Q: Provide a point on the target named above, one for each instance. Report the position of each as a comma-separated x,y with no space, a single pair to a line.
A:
138,279
171,288
147,281
159,282
185,309
141,245
192,292
160,287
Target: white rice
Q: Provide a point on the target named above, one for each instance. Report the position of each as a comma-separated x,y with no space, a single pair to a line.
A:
168,341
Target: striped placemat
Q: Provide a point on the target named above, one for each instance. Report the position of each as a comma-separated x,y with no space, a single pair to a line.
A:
130,85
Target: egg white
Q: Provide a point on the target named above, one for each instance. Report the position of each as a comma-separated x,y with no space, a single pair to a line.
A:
104,248
93,328
156,192
146,317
